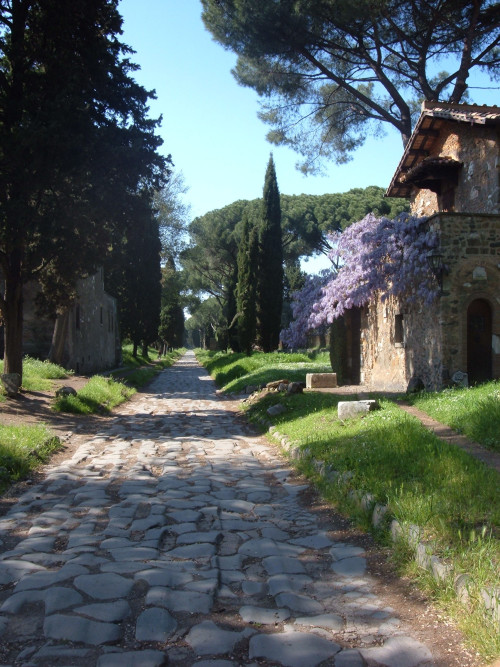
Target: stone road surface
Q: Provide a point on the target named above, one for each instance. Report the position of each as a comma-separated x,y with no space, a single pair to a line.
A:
177,537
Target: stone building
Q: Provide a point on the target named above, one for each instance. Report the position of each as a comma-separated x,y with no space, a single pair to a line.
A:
85,338
450,170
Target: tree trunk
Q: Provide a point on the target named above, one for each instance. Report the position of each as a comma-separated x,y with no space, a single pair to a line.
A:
134,349
13,324
59,337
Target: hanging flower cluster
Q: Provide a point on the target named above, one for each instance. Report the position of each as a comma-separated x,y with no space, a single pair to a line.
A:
375,255
378,255
303,301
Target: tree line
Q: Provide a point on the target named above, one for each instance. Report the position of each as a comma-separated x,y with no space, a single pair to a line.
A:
82,181
235,268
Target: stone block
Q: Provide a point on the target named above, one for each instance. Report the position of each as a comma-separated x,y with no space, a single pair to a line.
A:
321,380
11,383
353,409
65,391
275,410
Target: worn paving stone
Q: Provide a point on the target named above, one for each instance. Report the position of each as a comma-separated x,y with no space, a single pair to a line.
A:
169,514
263,616
144,658
207,638
293,649
333,622
301,603
398,652
106,611
104,586
155,625
192,602
73,628
350,567
279,564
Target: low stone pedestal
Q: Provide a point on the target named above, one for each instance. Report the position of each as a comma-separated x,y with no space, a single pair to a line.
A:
11,383
321,380
350,409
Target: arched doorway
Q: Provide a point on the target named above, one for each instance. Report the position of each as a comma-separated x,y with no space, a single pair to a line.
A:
479,331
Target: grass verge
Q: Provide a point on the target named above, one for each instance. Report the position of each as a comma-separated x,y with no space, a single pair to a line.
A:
234,371
22,449
473,411
421,479
99,395
38,375
138,371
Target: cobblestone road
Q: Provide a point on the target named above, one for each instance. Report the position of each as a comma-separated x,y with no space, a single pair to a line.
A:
176,537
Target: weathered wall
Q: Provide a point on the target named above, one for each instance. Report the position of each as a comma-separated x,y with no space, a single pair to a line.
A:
471,249
478,189
93,340
388,364
434,344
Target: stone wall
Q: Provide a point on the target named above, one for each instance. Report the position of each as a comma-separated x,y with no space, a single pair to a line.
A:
93,341
478,189
398,344
471,249
430,342
89,340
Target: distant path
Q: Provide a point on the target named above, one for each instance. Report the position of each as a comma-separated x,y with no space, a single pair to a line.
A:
174,535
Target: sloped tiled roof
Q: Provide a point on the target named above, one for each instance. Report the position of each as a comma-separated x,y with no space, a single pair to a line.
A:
432,118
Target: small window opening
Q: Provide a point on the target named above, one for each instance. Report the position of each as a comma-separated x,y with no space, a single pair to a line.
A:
399,336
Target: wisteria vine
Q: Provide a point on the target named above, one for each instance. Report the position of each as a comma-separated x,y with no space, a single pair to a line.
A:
376,255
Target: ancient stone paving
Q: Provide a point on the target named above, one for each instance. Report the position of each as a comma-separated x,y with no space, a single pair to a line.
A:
175,538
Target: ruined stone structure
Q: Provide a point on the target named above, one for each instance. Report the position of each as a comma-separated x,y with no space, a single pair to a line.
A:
85,338
451,171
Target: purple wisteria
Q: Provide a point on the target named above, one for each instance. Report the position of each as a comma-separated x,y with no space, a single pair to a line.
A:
376,255
303,301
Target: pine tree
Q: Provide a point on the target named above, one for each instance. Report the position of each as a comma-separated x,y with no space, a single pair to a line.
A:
270,276
248,252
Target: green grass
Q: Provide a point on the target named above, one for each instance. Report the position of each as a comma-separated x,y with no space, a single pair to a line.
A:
234,371
22,449
473,411
38,375
99,395
138,371
424,481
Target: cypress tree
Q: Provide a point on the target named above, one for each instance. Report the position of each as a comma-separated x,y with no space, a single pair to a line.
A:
270,277
248,252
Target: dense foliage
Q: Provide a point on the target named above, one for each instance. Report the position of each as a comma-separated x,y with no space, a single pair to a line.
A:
247,287
76,146
303,300
331,73
270,264
171,329
210,262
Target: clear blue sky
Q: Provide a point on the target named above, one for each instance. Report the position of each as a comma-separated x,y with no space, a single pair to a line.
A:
210,124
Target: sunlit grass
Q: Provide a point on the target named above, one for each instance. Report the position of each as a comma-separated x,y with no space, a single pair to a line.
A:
22,449
473,411
99,395
234,371
38,375
422,480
